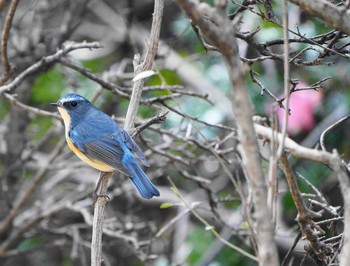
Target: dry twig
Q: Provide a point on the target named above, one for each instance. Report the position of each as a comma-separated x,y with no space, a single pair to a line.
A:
4,40
96,245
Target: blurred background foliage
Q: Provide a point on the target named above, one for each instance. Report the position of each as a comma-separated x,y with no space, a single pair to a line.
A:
49,85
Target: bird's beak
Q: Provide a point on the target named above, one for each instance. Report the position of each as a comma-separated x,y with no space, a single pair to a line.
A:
55,104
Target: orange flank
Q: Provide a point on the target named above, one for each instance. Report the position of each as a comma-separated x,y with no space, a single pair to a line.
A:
93,163
101,166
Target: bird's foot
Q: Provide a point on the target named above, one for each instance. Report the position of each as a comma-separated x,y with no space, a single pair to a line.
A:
95,196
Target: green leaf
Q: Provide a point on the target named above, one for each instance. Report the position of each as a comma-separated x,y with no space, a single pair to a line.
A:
166,205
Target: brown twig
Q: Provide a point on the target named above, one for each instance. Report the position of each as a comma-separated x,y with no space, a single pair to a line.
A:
328,129
60,243
85,72
146,64
328,12
294,148
96,245
47,61
207,47
286,82
6,223
221,35
308,227
263,88
2,4
97,225
12,99
159,118
4,40
16,236
332,160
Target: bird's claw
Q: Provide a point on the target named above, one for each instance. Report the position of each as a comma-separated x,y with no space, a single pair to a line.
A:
95,196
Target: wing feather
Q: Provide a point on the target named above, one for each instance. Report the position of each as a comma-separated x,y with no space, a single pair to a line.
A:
104,140
105,148
130,143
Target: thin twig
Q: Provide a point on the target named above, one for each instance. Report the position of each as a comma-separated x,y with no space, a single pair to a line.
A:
16,236
47,61
294,148
222,35
96,245
328,129
146,64
308,227
207,225
5,224
85,72
291,249
159,118
285,78
205,45
12,99
4,40
97,226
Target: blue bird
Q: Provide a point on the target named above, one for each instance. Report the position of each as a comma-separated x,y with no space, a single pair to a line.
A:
101,143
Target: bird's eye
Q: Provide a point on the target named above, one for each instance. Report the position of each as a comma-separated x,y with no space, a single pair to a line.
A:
73,104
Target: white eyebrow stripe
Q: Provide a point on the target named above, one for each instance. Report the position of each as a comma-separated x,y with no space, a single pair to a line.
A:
68,100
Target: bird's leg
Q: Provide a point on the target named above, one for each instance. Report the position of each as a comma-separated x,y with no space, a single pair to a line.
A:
97,190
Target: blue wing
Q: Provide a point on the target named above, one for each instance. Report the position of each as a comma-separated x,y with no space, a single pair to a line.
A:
104,140
130,143
104,148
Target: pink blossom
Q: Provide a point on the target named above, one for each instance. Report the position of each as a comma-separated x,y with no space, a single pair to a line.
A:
302,105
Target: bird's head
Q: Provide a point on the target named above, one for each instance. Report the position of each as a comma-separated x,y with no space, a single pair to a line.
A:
73,108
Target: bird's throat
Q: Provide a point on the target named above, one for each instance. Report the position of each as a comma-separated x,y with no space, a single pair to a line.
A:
66,118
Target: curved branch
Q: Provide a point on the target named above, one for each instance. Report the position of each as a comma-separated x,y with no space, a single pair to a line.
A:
47,61
4,39
335,16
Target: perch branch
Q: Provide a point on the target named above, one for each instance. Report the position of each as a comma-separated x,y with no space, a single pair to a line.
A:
97,226
96,245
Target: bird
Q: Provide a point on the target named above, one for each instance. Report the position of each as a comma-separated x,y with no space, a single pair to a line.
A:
101,143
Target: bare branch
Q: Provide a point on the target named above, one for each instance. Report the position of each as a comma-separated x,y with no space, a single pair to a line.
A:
335,16
96,246
97,227
85,72
308,227
45,62
221,34
160,118
331,127
12,99
146,64
286,82
4,39
24,196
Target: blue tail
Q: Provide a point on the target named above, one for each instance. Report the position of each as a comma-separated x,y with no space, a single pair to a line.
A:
141,182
